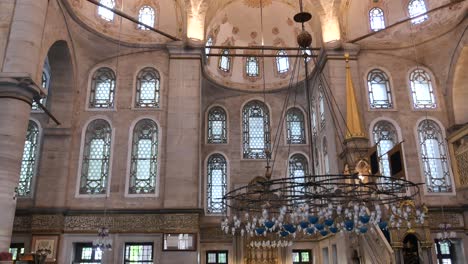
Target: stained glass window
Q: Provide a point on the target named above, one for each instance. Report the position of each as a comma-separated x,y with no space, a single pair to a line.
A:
105,13
385,137
421,89
217,132
146,16
28,164
85,253
282,62
96,158
298,169
217,257
434,157
314,124
102,89
208,44
380,95
225,61
138,253
45,82
295,131
252,67
144,159
216,184
326,161
322,109
416,8
256,130
148,89
377,19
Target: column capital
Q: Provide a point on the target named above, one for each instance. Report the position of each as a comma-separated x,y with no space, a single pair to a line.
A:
20,86
192,49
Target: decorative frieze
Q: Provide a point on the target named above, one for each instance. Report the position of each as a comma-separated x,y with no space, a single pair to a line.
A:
454,219
118,223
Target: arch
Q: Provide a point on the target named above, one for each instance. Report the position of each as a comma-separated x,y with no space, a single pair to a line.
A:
104,13
387,119
106,189
30,160
422,79
102,89
147,16
298,168
326,157
379,89
416,8
216,167
376,19
385,137
255,130
459,91
295,126
216,125
148,88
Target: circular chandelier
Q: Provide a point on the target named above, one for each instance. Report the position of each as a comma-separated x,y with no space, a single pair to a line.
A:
320,205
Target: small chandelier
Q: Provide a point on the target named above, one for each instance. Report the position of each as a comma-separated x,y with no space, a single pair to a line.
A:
446,235
103,242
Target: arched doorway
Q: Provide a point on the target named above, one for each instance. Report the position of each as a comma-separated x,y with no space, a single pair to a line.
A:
411,250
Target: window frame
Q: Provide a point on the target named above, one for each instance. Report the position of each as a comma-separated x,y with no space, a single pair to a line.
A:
125,261
391,102
78,194
45,73
20,247
440,257
223,53
78,248
266,130
397,133
128,177
303,140
35,167
300,251
280,56
217,252
137,90
255,60
224,140
298,157
92,90
155,15
370,18
207,181
420,20
432,90
101,17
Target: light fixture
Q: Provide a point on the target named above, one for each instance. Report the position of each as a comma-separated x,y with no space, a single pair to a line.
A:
103,242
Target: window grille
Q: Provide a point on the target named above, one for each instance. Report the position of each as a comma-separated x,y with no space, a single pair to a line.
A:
256,130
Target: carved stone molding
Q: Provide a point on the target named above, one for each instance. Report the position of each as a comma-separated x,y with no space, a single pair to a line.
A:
454,219
213,234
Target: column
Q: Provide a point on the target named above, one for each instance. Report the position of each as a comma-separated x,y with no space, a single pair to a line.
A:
181,188
15,105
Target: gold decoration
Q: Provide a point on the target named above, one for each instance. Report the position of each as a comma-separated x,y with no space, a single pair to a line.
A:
257,3
353,116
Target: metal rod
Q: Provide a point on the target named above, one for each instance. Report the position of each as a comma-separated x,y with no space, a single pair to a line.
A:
309,114
257,48
122,14
258,55
38,102
453,2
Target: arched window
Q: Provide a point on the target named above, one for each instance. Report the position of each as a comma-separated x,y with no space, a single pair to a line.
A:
102,89
416,8
322,109
208,44
434,157
380,95
385,138
28,164
105,13
314,123
45,82
144,159
326,161
217,132
295,126
298,169
421,89
96,157
147,89
146,16
252,67
376,19
216,184
256,130
225,61
282,62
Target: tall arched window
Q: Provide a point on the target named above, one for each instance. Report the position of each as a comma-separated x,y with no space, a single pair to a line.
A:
147,89
376,19
380,95
295,131
326,161
102,89
255,130
421,89
216,184
322,109
298,168
217,131
146,16
45,82
282,62
252,68
144,159
28,164
385,137
105,13
208,44
416,8
225,61
96,158
434,157
314,123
